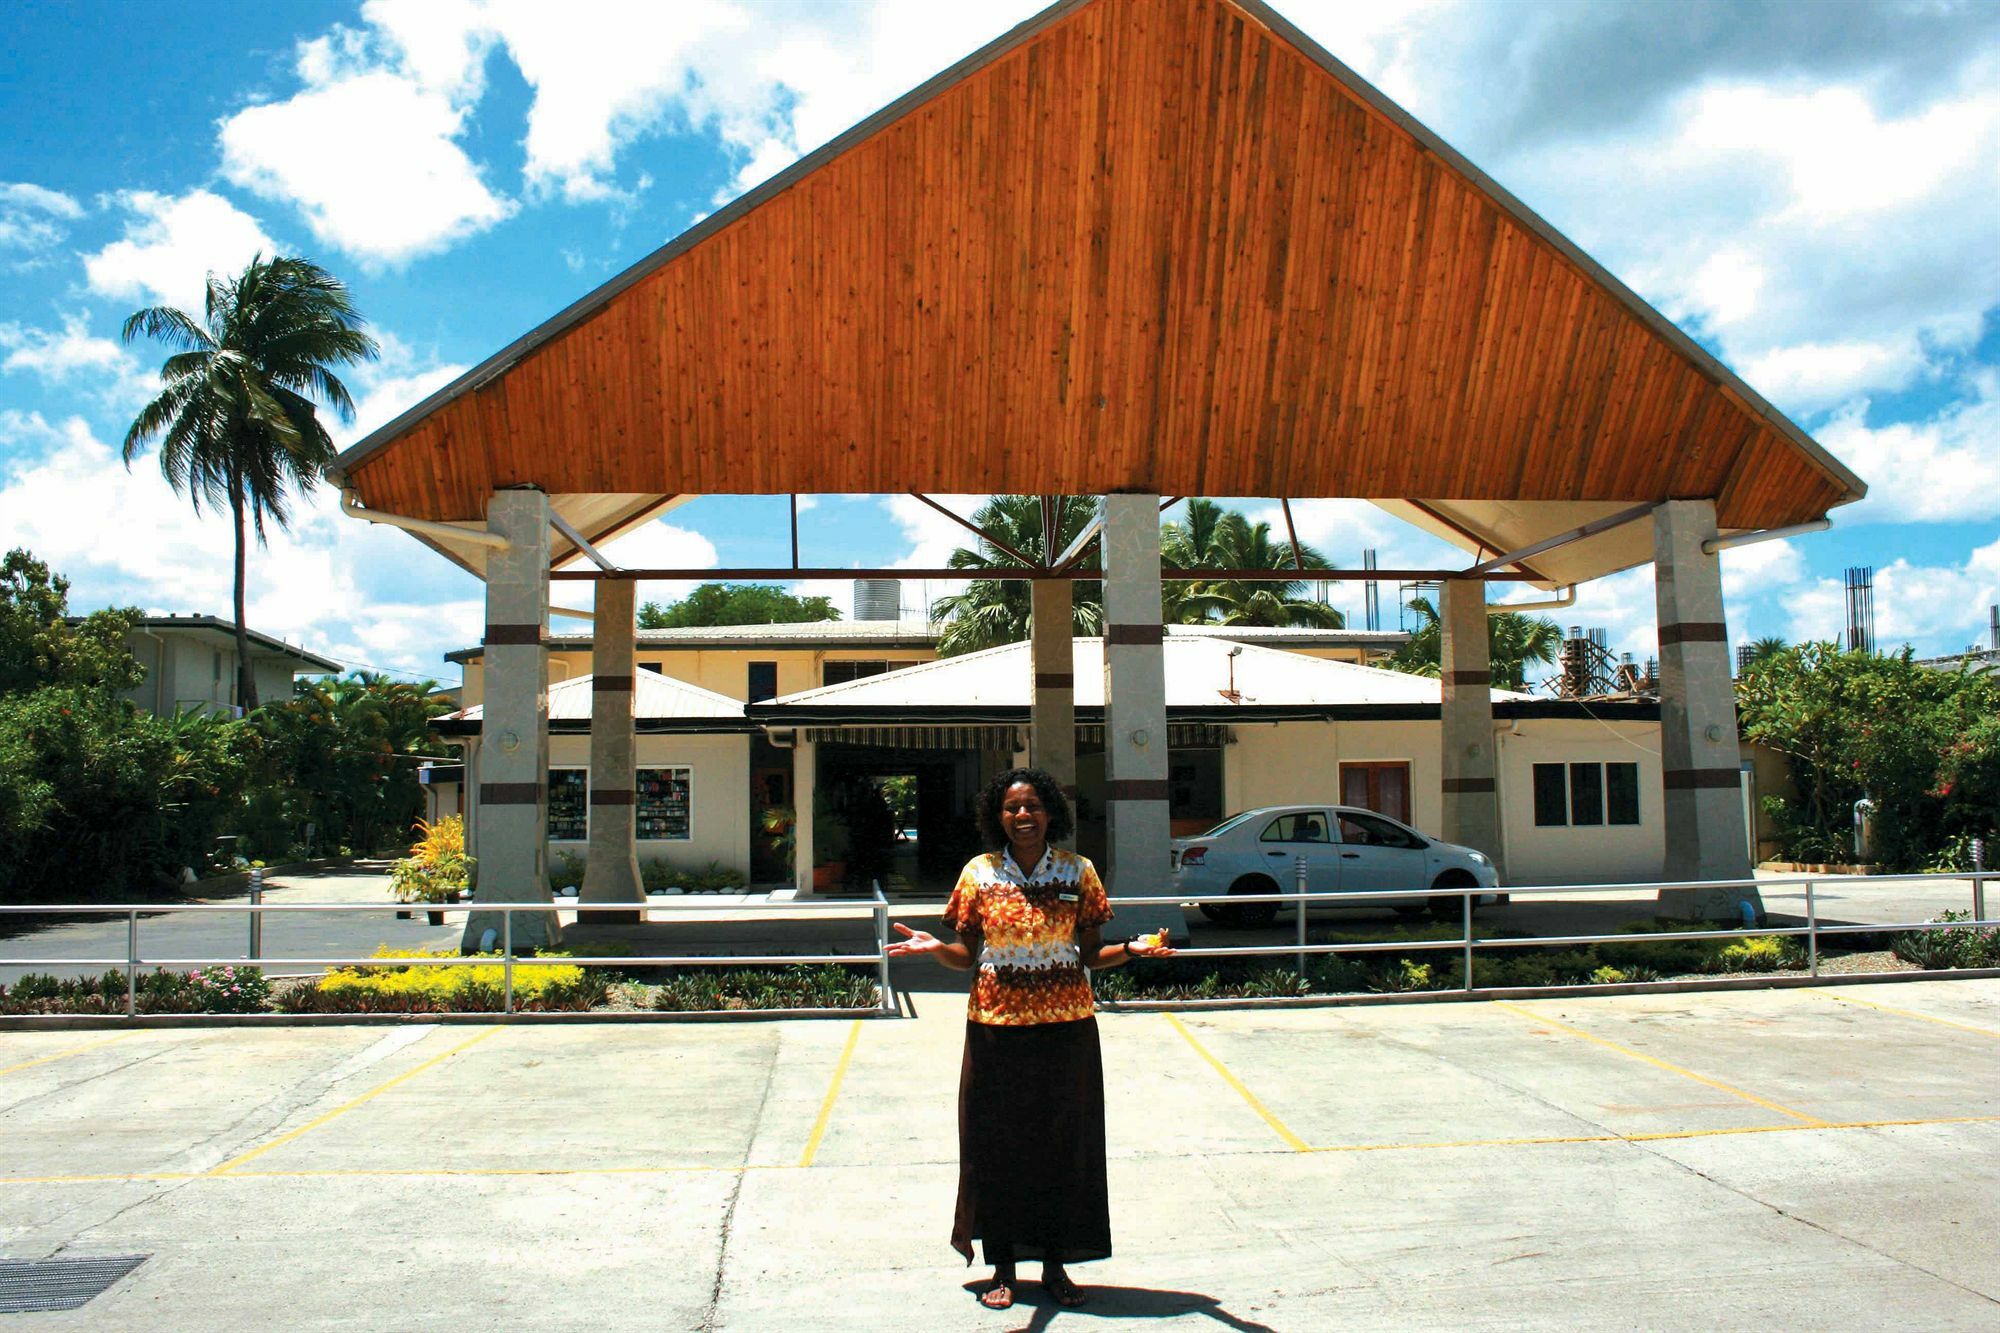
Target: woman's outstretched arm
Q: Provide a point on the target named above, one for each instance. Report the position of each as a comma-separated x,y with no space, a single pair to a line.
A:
958,955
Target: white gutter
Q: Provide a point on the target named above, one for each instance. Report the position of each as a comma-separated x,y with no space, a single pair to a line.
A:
1715,544
571,613
1567,597
442,531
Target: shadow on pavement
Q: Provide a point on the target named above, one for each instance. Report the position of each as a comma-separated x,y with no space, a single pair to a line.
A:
1118,1303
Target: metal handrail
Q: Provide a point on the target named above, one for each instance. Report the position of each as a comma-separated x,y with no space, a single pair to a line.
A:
875,904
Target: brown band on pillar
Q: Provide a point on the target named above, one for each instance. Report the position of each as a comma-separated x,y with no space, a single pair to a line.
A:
1055,680
1467,678
509,793
513,636
1698,779
1135,636
1136,789
1462,786
614,684
1694,631
613,796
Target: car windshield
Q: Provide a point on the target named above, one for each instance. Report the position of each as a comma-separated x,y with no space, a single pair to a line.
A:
1226,825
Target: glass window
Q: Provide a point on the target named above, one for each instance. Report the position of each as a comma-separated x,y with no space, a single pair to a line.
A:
1551,795
569,805
1621,792
655,667
1368,831
665,803
1301,826
1586,794
763,681
1226,824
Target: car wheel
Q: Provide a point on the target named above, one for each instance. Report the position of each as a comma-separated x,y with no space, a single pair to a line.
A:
1248,915
1453,908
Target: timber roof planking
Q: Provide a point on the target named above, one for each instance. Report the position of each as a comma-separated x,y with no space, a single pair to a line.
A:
1103,254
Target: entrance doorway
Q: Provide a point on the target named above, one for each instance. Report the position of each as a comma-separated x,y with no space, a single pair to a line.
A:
1378,785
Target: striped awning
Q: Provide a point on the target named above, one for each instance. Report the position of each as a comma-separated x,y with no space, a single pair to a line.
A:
1005,738
1180,735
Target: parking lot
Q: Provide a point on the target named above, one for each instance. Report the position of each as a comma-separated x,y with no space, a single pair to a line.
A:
1812,1158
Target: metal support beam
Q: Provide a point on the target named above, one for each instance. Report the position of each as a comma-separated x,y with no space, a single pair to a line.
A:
980,532
580,542
1577,534
1074,574
1292,531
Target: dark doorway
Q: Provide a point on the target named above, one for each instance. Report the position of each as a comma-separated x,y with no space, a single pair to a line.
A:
771,812
899,816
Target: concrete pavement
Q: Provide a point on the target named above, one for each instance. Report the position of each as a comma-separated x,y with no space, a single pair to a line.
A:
1812,1159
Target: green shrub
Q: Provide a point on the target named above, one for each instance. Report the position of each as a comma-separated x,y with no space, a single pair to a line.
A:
476,988
229,989
1956,946
809,986
566,874
659,876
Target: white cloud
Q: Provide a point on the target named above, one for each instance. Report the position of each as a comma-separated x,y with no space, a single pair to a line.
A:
396,381
170,247
384,178
32,216
657,545
1942,469
1939,608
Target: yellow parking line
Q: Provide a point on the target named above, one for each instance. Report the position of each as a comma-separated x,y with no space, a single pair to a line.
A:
1655,1136
1661,1064
74,1050
341,1110
1278,1126
1885,1008
832,1093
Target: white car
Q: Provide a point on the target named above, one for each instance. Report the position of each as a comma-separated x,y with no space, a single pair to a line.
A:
1351,854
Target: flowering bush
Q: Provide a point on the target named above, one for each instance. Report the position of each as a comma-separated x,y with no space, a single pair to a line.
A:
212,990
437,869
227,989
478,988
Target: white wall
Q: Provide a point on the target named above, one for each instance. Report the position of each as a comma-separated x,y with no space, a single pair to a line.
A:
719,818
1300,761
1602,854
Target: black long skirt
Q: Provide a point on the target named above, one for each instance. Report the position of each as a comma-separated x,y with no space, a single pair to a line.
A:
1031,1143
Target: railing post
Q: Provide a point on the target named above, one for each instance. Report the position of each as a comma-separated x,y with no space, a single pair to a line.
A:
1299,889
1812,929
131,964
507,956
256,917
887,996
1468,940
1979,879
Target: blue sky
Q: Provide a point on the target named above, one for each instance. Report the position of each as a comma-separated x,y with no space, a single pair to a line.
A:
1813,190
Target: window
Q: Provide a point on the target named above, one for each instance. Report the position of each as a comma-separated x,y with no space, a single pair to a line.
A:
763,682
1586,795
1368,831
1381,787
665,804
569,805
839,673
658,668
1621,792
1302,826
218,666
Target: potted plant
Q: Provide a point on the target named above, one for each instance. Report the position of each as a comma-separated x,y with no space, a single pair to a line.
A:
437,870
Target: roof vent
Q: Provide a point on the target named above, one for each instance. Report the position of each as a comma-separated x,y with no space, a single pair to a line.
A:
878,599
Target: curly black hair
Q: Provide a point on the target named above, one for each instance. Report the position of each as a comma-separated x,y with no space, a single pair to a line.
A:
1062,820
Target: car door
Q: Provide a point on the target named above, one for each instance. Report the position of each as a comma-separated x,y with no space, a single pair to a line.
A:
1293,834
1378,855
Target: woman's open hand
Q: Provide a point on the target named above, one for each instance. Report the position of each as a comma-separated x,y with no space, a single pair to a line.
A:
914,942
1150,946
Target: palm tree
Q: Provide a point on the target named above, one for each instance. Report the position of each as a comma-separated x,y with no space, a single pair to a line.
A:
1763,650
990,612
1218,538
1513,640
236,421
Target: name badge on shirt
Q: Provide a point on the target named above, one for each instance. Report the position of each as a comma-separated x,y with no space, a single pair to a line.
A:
1066,897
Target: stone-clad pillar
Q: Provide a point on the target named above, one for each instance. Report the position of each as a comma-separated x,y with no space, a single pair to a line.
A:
1700,757
1135,715
1052,740
514,726
1465,720
612,873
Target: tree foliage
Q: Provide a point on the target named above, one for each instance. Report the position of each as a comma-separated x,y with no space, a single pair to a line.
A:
986,613
1211,537
1513,641
736,604
1922,744
235,419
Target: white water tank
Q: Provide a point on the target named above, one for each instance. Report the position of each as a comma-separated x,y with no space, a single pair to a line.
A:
878,599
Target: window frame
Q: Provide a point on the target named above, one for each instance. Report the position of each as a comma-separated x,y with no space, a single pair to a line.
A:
549,804
639,801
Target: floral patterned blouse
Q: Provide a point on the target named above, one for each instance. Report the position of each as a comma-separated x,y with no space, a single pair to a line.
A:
1028,969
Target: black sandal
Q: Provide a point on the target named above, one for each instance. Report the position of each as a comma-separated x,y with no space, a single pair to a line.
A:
999,1296
1067,1294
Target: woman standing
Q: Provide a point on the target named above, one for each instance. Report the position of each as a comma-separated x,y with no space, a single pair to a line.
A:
1030,919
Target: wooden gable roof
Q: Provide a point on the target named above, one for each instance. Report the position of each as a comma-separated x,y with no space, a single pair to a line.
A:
1166,246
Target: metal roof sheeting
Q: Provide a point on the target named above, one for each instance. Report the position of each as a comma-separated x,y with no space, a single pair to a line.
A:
655,698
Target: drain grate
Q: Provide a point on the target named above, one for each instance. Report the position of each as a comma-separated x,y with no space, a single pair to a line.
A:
30,1285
